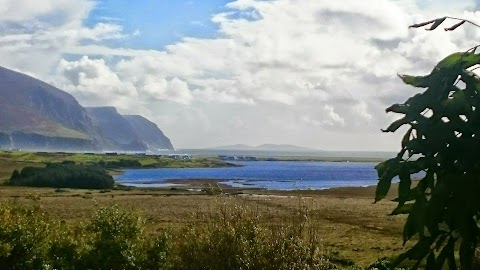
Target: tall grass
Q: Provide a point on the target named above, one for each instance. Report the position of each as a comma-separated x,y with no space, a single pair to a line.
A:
239,237
231,236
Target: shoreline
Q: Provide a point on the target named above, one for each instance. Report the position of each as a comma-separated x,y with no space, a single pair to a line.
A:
351,225
203,185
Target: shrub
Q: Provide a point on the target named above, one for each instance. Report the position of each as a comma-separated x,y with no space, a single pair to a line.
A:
443,143
114,239
24,237
63,176
117,235
122,163
235,238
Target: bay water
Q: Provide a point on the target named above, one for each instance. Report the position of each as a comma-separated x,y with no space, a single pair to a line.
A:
273,175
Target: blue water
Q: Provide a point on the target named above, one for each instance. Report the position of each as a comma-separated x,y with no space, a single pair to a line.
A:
275,175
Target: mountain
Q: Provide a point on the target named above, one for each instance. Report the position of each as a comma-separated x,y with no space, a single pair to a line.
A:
264,147
116,132
34,114
37,116
127,132
242,147
149,133
282,147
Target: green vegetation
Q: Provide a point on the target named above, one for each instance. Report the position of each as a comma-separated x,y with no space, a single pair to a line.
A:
234,238
17,160
229,237
115,239
63,176
443,142
122,163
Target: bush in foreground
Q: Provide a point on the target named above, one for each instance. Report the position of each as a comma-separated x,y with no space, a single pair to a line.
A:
232,237
113,239
235,238
116,239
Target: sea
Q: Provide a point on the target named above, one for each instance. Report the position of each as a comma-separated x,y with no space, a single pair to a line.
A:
272,175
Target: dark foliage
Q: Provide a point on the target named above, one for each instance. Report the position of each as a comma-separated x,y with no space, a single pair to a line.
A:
112,239
443,142
122,163
63,176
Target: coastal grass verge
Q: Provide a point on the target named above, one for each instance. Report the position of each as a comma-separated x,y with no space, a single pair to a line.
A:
233,235
350,229
17,160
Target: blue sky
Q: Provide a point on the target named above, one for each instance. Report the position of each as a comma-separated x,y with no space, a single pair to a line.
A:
314,73
161,22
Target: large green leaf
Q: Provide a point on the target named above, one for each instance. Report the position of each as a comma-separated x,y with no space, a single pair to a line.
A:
406,138
417,81
386,171
447,150
402,209
397,124
405,185
456,105
459,60
418,252
398,108
444,254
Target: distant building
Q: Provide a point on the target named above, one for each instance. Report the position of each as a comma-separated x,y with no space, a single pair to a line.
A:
181,157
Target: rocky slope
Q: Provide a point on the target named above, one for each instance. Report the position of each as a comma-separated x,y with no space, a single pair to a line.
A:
116,132
37,116
149,132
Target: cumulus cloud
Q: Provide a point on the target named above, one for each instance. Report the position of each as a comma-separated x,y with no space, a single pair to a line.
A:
314,73
94,83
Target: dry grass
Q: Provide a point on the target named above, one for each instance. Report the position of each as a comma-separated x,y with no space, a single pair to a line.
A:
351,227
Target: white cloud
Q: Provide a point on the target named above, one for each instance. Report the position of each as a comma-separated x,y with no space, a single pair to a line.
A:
95,84
314,73
174,90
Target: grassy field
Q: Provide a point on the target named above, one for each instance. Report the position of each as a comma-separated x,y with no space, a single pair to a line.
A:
352,228
9,161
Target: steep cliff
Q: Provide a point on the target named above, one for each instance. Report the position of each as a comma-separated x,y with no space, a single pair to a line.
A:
116,132
31,107
149,132
37,116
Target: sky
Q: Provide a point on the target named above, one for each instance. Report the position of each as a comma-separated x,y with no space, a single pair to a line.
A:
313,73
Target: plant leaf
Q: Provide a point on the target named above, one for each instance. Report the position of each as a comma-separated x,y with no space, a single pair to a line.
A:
461,60
417,81
404,186
436,23
403,209
386,171
396,125
455,26
442,257
417,25
398,108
